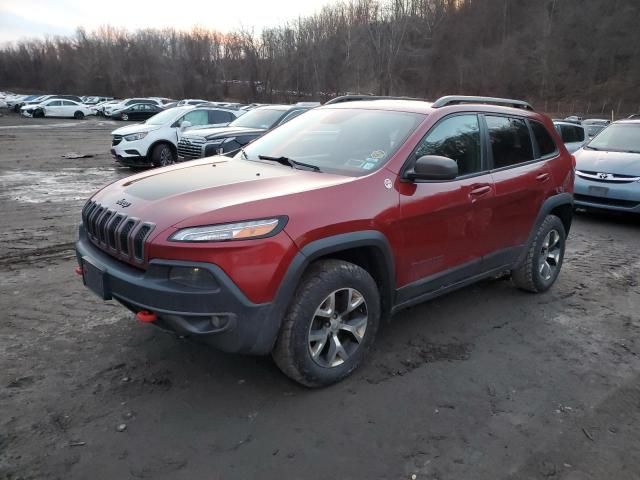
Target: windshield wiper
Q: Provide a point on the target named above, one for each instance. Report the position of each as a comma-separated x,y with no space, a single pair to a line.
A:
289,162
591,148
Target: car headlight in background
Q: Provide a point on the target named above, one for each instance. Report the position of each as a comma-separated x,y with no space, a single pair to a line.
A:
135,136
231,231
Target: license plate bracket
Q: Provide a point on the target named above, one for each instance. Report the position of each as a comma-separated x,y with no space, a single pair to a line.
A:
598,191
95,279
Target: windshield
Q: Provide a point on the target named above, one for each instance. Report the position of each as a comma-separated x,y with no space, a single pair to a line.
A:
164,117
619,137
263,118
351,142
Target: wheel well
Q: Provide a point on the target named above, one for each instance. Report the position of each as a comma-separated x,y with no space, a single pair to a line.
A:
372,260
565,213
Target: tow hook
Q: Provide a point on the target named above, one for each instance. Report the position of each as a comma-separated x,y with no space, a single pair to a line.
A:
78,271
146,317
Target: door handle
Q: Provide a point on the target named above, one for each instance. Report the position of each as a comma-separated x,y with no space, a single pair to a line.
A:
543,177
479,190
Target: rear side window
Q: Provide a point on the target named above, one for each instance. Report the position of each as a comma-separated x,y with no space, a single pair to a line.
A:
571,134
509,140
457,138
545,142
219,116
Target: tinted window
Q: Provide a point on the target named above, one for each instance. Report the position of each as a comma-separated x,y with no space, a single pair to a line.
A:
197,117
510,141
545,142
67,103
571,133
263,118
291,115
55,103
219,116
457,138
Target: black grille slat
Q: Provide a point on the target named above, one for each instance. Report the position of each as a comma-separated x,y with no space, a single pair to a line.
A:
606,201
102,227
111,230
190,148
93,221
138,241
124,236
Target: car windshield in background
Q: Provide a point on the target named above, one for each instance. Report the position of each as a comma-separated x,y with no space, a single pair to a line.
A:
263,118
163,117
350,142
620,137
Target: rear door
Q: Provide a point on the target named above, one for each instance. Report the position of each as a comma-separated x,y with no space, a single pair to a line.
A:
445,224
68,108
522,176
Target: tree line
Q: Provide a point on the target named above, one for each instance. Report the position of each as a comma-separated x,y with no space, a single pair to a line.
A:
557,52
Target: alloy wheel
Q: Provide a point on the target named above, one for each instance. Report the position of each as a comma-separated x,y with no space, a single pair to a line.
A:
166,157
338,327
550,255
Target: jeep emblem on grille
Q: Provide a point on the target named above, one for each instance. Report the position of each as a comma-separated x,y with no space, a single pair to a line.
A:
123,203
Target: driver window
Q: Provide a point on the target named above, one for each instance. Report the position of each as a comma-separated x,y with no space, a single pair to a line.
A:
458,138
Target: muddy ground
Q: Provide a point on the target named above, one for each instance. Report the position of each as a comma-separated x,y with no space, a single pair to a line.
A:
485,383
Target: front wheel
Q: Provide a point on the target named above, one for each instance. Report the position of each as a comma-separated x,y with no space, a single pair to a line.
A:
38,114
330,325
124,117
542,264
162,155
78,115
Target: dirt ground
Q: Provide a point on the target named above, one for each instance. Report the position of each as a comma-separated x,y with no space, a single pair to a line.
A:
485,383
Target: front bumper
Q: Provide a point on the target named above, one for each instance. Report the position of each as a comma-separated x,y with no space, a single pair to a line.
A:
239,325
616,196
129,155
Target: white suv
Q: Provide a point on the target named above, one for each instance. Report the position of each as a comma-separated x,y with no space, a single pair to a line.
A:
155,142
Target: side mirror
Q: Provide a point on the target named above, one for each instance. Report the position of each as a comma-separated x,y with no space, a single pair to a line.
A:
185,124
433,167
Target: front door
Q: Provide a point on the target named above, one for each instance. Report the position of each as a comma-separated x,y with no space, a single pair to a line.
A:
445,224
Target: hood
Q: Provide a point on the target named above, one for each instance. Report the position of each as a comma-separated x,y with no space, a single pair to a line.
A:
221,132
213,190
135,128
621,163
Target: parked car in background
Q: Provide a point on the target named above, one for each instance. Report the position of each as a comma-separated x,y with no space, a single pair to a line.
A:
110,108
99,108
93,100
155,142
634,116
573,135
55,107
594,126
191,101
313,235
608,169
17,103
137,111
228,140
574,119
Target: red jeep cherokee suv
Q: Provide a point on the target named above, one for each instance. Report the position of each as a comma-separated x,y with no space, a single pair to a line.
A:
300,244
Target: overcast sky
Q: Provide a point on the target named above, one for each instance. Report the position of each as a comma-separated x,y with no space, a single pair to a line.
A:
30,18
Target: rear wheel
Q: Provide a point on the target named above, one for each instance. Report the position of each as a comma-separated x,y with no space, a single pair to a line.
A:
330,325
542,264
162,155
78,115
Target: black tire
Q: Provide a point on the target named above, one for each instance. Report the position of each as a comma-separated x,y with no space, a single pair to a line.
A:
78,115
292,352
38,114
532,275
162,155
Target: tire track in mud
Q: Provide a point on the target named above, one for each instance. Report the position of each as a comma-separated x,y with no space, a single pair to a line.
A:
49,254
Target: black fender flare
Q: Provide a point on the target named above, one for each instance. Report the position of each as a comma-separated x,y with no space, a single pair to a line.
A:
320,248
547,207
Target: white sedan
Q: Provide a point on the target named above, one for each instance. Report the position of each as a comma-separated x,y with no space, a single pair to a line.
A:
57,108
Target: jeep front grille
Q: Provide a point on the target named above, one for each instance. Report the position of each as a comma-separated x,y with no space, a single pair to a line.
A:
115,232
190,147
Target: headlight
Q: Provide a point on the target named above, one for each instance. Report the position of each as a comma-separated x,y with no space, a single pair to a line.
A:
231,231
215,142
135,136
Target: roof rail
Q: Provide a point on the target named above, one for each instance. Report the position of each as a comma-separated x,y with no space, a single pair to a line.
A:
460,99
354,98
